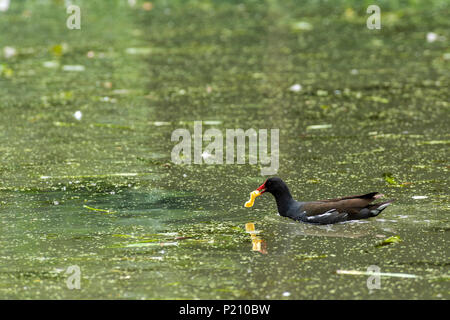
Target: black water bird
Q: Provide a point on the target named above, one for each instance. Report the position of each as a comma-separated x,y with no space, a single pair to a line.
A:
323,211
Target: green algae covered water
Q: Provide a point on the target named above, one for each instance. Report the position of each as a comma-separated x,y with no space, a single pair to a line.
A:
88,188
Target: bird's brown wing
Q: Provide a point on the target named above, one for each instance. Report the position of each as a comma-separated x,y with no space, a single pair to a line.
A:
350,205
368,196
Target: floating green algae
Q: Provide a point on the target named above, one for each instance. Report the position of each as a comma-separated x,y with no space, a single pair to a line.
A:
388,241
307,257
99,210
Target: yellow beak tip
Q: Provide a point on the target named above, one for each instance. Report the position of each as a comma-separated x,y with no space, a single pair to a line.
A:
253,195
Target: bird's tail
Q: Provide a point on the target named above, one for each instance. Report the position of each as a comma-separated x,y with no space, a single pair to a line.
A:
375,209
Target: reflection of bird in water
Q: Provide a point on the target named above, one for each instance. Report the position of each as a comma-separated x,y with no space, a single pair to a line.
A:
258,244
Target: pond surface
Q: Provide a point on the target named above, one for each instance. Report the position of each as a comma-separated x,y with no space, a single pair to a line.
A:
100,192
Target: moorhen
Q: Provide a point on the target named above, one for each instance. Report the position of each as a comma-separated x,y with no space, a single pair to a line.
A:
323,211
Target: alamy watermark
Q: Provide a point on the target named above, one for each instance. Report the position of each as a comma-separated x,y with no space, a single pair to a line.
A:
74,20
374,20
73,281
214,151
374,281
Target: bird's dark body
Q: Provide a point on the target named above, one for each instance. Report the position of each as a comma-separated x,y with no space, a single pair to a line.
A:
324,211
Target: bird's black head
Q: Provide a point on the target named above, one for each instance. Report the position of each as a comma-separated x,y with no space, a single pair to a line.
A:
273,185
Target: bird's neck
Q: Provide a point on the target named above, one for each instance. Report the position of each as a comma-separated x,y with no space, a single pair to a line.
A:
284,201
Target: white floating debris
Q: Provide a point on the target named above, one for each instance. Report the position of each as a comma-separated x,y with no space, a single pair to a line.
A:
166,244
138,51
286,294
318,126
354,71
78,115
50,64
4,5
108,99
73,68
432,37
212,122
302,25
419,197
9,52
382,274
161,123
296,87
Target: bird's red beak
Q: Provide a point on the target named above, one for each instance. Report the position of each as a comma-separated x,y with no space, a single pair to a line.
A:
262,188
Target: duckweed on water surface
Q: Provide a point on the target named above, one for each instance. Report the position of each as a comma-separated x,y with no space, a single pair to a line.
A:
86,176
